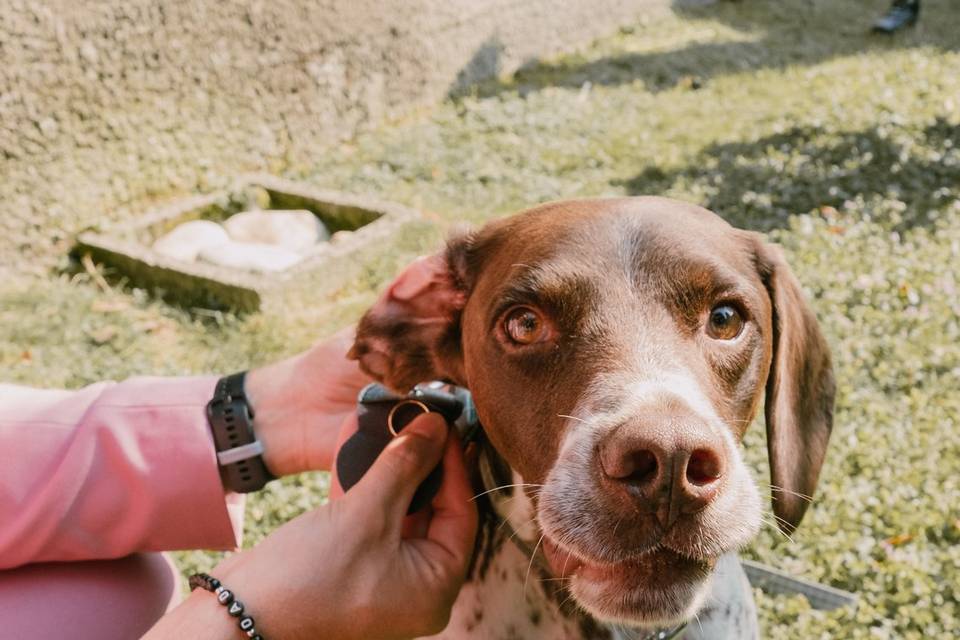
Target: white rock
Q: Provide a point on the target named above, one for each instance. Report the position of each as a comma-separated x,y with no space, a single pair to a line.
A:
252,256
187,240
340,236
295,229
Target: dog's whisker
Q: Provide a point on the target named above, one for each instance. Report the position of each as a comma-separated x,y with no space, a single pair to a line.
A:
516,532
781,521
563,415
780,531
563,571
505,521
697,618
533,556
773,525
505,486
566,600
504,501
803,496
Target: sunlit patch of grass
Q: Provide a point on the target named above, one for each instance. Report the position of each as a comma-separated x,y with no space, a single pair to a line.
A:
786,117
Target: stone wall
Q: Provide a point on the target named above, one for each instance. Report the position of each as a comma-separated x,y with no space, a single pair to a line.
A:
104,103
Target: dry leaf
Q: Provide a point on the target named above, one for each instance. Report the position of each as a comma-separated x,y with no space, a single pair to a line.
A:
898,540
109,306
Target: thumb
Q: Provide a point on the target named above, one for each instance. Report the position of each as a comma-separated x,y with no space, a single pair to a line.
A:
390,483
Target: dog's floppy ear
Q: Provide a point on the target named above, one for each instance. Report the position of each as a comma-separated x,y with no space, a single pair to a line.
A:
800,391
412,333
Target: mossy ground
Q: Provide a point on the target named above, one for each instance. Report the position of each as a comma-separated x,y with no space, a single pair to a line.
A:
787,117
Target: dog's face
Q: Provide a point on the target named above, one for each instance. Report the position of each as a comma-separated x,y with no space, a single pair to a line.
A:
616,351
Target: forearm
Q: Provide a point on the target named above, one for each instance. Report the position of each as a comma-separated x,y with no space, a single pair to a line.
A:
262,593
199,616
110,470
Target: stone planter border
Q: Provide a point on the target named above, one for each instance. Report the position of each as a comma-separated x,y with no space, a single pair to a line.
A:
126,248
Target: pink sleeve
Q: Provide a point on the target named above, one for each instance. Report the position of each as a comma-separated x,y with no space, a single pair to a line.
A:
110,470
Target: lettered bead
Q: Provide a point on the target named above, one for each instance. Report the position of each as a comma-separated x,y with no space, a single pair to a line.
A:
246,623
225,596
235,609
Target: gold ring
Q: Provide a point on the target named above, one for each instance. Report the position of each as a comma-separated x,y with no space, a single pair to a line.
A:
393,411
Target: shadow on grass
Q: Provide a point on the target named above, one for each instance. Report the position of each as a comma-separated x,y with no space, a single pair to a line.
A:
901,175
786,32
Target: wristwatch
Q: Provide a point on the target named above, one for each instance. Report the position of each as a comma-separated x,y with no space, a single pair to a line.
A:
239,453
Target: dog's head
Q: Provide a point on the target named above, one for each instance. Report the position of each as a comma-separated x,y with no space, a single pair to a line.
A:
616,350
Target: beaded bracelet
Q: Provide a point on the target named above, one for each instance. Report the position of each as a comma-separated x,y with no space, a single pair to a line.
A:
227,599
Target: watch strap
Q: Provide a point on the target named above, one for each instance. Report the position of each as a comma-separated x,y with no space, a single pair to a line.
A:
239,453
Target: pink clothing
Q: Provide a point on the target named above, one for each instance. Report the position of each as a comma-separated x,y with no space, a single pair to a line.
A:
102,599
98,474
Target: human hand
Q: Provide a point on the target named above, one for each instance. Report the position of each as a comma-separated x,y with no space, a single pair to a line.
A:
349,570
300,404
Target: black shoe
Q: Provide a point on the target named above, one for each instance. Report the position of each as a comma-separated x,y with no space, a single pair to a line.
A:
901,14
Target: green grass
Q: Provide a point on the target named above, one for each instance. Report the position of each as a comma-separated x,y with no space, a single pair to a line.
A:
786,117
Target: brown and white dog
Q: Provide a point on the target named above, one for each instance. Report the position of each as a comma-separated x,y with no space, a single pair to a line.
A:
616,349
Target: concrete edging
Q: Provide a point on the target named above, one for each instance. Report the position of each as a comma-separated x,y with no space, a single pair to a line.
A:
124,247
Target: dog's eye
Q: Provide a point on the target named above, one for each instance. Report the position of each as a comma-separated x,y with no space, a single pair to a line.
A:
725,322
523,325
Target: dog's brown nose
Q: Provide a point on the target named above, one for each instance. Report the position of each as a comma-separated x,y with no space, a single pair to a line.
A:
671,469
